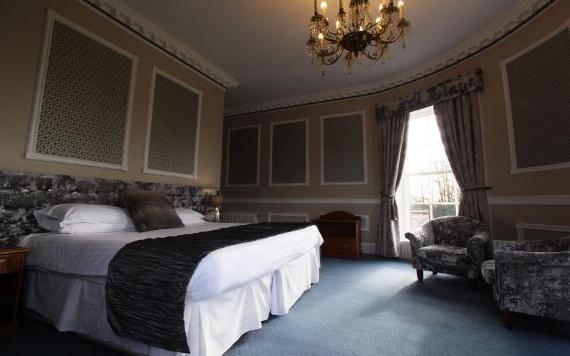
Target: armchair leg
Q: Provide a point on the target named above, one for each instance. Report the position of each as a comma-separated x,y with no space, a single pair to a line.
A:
508,319
420,273
473,283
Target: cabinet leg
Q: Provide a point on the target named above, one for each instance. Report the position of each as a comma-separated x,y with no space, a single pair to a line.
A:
420,274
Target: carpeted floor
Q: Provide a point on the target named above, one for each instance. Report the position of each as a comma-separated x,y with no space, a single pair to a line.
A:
366,307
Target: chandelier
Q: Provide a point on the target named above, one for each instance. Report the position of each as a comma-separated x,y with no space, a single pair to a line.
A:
355,34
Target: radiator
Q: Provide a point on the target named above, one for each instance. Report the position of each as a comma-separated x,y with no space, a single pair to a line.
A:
239,217
405,250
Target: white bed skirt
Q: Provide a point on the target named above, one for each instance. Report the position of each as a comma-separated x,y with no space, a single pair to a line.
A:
77,303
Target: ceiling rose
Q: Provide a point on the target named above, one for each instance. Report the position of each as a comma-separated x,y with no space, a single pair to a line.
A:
355,33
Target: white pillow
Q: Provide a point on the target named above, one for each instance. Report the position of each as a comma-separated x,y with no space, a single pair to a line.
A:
83,218
189,216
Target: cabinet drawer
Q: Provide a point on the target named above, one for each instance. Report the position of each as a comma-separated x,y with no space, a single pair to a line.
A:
9,263
339,244
340,247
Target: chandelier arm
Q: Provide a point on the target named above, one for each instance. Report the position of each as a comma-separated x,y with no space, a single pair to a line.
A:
333,61
372,56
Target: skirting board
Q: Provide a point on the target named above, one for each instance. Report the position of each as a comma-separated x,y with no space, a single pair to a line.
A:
368,248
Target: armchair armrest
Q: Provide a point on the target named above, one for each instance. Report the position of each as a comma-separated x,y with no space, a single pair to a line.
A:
545,259
476,246
419,238
502,245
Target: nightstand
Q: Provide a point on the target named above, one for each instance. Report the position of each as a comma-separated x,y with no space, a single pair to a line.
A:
341,234
11,275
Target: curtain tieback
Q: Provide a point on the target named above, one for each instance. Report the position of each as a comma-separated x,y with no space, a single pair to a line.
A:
393,208
475,189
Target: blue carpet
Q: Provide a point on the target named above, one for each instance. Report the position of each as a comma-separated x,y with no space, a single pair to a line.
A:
368,307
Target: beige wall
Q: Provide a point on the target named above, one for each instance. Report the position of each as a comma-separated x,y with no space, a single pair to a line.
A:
496,147
21,30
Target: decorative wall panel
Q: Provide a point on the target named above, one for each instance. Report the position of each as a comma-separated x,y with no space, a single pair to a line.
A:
242,158
289,153
538,92
172,147
342,149
21,194
83,99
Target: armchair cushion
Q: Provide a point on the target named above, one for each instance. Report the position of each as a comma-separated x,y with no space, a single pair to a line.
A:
444,255
455,230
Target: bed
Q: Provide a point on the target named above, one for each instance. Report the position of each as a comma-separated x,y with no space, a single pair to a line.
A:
67,274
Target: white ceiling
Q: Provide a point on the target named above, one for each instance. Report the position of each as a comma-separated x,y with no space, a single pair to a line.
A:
261,43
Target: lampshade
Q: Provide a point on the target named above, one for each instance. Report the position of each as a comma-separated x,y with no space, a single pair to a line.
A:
216,200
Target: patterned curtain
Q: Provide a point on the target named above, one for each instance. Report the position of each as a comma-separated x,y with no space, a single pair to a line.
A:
458,122
393,137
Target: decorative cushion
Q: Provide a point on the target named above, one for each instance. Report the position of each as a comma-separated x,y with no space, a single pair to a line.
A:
488,271
444,255
151,211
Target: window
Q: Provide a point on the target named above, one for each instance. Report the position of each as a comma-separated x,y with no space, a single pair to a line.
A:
428,188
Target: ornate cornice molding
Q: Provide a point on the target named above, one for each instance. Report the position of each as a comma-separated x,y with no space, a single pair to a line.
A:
131,20
511,21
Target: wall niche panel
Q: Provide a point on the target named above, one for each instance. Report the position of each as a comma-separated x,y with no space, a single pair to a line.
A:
343,155
538,106
289,153
242,157
83,98
174,127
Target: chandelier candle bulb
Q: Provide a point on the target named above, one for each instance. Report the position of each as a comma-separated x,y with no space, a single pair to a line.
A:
401,7
324,8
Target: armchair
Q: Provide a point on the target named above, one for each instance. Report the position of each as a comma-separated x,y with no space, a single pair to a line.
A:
531,278
451,244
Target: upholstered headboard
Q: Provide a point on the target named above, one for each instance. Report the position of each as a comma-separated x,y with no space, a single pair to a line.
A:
23,193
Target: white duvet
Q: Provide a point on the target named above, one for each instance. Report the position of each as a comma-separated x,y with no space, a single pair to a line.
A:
221,270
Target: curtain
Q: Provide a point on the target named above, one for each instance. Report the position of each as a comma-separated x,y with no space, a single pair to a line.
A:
392,138
458,122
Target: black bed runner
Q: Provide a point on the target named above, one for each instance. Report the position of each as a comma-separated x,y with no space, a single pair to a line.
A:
147,281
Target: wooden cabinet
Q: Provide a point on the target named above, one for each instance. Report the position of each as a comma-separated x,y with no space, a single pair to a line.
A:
341,232
11,273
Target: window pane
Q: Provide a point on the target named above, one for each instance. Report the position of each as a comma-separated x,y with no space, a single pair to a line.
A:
419,160
439,158
420,189
417,132
443,187
419,215
443,210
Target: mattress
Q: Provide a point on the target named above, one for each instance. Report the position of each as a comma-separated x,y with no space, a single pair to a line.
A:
90,254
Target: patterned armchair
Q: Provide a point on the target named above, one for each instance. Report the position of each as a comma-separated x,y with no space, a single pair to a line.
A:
452,244
531,278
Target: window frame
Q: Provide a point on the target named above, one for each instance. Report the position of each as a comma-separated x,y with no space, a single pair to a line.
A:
403,194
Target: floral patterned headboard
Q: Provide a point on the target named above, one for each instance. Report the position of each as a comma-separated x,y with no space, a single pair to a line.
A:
23,193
